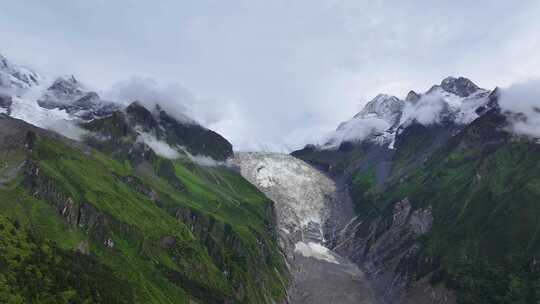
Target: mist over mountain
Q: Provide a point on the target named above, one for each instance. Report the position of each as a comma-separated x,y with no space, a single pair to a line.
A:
522,100
456,101
365,214
281,73
270,152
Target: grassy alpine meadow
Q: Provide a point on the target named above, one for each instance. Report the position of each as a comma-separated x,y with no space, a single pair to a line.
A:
134,234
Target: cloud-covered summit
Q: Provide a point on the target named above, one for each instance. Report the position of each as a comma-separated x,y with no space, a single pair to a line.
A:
522,101
274,74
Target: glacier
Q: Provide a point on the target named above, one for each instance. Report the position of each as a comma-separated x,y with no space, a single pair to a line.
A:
303,197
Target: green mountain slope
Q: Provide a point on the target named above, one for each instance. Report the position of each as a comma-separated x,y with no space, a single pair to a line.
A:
481,187
484,188
154,231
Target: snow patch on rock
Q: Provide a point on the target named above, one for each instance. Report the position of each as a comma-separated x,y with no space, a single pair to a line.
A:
26,108
315,250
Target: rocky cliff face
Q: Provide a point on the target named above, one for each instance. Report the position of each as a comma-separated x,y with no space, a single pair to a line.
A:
387,249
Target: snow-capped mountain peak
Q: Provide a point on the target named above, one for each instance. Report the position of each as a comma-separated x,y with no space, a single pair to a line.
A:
69,94
380,114
17,77
24,94
455,101
383,106
412,97
70,108
460,86
66,87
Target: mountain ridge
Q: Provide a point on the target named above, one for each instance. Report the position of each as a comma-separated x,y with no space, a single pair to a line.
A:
68,107
455,100
105,207
433,198
427,204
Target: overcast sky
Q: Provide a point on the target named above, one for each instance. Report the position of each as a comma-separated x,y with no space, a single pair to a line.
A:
274,74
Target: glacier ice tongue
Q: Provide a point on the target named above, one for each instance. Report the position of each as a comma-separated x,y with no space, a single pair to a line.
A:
300,192
302,197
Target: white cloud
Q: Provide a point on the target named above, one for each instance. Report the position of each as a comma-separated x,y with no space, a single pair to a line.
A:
280,68
356,129
523,99
172,98
426,111
161,148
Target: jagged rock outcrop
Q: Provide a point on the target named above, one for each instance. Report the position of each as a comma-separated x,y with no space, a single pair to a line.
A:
67,93
386,107
460,86
387,248
412,97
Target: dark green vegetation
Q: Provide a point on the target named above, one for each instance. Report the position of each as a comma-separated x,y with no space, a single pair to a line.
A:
38,270
364,190
80,226
483,186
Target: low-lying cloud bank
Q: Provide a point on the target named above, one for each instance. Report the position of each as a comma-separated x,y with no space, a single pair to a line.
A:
356,129
163,149
522,102
426,111
171,97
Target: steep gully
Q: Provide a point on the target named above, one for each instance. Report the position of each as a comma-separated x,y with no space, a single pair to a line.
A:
311,213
